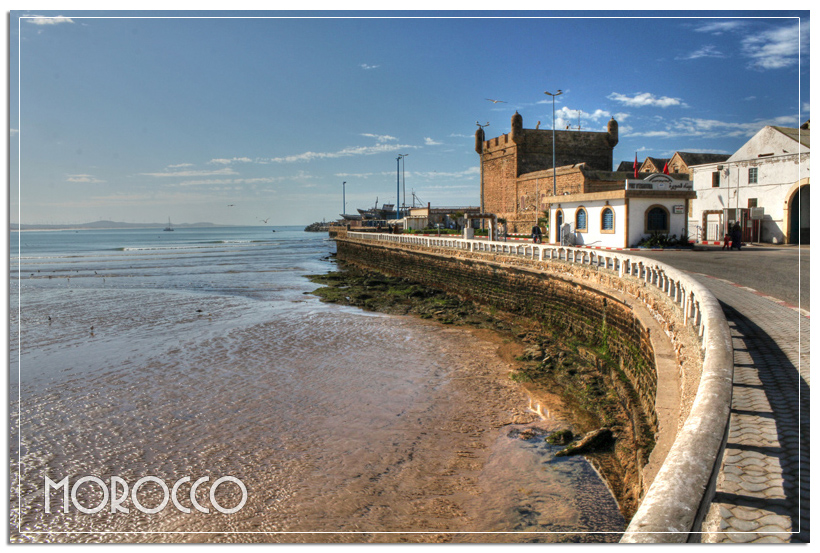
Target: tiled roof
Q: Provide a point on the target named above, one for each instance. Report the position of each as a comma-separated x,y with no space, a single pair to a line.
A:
658,162
798,135
690,158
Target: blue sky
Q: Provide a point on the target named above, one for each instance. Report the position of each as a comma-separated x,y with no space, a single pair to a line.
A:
138,116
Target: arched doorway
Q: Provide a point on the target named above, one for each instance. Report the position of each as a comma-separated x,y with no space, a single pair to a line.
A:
799,214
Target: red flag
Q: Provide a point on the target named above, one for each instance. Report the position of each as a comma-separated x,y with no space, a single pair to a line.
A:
666,168
635,165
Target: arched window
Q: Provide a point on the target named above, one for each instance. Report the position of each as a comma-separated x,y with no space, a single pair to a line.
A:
657,219
607,220
581,219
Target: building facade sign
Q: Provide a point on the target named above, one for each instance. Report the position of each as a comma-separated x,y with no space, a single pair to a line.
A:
660,183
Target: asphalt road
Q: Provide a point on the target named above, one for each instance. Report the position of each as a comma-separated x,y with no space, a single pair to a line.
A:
780,272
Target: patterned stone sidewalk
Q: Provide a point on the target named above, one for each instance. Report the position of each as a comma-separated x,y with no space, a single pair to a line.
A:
762,492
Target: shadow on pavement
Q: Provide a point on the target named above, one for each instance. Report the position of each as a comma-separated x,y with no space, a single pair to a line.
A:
787,395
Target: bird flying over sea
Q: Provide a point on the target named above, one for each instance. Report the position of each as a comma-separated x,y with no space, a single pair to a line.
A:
496,101
230,205
265,220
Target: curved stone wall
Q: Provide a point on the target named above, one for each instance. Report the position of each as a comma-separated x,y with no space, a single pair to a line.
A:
572,294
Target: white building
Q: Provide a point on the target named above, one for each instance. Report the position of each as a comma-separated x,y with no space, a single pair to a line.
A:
770,171
622,218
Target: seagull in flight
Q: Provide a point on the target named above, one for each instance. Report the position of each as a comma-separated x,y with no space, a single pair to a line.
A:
496,101
265,220
230,205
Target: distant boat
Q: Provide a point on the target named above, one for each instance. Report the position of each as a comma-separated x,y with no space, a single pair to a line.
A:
169,227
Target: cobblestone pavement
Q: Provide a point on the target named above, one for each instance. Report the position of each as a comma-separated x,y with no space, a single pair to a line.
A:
762,492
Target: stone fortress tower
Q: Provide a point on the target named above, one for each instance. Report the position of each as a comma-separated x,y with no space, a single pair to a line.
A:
517,166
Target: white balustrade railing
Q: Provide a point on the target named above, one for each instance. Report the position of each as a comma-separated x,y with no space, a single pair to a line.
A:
683,486
688,294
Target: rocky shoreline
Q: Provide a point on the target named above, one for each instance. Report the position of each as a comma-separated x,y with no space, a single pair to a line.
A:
584,379
317,227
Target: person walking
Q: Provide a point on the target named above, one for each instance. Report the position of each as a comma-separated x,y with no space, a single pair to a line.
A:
736,236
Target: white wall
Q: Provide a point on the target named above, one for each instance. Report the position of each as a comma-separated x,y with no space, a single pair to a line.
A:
777,175
593,235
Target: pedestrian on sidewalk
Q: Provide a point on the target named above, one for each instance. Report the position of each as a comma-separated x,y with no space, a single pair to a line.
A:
727,241
736,236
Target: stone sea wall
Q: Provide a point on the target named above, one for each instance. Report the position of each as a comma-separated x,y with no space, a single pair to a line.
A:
590,296
569,307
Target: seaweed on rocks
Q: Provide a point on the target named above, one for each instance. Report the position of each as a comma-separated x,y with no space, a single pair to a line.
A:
587,382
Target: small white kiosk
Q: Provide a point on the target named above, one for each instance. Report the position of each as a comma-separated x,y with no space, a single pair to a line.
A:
624,216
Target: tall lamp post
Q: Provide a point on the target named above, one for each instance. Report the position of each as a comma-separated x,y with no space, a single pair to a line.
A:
481,169
398,182
554,193
403,196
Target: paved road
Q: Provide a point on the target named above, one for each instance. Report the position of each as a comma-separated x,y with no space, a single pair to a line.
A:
762,492
781,272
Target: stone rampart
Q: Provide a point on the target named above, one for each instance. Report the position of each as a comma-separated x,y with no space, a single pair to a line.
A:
582,291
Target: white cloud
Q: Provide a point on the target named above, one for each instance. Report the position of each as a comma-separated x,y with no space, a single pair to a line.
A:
776,48
228,161
707,51
643,99
178,165
433,175
712,128
357,175
256,180
200,182
366,66
46,20
598,114
13,132
380,137
568,118
654,134
83,178
346,152
430,142
225,171
720,27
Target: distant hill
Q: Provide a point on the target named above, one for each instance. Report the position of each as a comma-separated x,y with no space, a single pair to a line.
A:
109,225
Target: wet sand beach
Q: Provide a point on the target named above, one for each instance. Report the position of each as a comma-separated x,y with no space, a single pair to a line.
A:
343,425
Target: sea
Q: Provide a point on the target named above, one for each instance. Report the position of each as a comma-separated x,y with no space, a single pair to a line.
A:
185,386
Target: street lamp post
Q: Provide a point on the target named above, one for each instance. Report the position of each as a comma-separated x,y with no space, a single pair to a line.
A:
398,183
554,193
481,169
403,194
